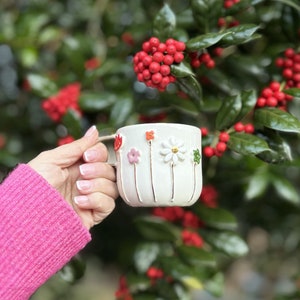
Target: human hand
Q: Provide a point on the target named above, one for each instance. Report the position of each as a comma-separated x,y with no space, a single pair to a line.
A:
81,175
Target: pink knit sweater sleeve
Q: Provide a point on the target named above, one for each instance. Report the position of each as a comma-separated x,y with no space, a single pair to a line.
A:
39,233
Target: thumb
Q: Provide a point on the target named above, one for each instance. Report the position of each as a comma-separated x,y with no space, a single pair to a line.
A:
66,155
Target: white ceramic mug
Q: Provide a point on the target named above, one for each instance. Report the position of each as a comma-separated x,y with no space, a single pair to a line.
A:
158,164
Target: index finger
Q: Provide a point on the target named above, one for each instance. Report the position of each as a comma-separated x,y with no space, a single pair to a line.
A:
96,153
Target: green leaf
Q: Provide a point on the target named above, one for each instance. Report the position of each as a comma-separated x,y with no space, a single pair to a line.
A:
229,111
293,92
164,22
227,242
144,255
91,102
239,34
248,102
204,41
247,144
216,217
181,70
215,285
196,257
277,119
72,121
41,85
157,229
257,185
121,110
192,88
285,189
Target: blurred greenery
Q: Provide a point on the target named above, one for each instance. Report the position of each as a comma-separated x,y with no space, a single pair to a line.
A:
47,45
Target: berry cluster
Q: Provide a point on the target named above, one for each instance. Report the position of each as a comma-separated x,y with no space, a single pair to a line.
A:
228,3
202,59
123,291
58,105
247,128
290,65
152,65
191,238
220,146
273,96
155,273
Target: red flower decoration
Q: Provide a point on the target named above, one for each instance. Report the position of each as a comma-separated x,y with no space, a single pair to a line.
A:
118,142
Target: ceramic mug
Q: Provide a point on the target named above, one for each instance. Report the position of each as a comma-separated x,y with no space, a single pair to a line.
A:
158,164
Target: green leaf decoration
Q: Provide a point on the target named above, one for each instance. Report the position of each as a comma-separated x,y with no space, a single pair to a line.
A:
164,23
96,102
227,242
157,229
72,120
240,34
192,88
229,111
204,41
293,92
196,257
285,189
277,119
216,217
247,144
42,85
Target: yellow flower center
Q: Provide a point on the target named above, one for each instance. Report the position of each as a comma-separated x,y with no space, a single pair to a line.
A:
174,149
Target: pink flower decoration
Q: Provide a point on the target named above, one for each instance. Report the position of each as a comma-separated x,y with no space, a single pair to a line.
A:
133,156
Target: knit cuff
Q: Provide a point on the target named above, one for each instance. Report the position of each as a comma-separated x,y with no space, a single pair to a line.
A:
39,233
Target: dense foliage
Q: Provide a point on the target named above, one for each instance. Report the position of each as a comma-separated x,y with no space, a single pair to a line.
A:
231,68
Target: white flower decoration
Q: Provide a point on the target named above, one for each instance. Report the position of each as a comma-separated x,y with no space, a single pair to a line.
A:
173,150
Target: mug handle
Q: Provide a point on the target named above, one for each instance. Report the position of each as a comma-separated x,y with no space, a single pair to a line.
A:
111,160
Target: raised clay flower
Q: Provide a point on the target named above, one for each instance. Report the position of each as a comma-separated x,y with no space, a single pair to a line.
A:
173,150
133,156
118,142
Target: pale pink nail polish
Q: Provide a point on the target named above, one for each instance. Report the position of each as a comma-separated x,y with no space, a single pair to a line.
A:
81,200
83,185
90,155
90,131
86,169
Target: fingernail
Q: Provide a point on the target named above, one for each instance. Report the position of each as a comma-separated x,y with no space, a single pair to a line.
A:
83,185
90,131
81,199
90,155
87,169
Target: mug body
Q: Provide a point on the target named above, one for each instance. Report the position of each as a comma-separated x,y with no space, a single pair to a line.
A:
159,164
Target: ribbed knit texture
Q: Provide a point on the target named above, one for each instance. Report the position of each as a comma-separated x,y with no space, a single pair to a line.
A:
39,233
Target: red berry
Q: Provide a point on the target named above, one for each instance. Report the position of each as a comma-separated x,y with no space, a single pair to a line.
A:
156,78
267,92
180,46
165,70
271,101
224,137
208,151
154,42
147,60
178,57
279,62
287,73
222,22
162,47
168,59
170,42
218,51
204,131
195,63
275,86
210,64
171,49
158,57
249,128
221,146
238,127
146,47
146,74
154,67
204,57
289,52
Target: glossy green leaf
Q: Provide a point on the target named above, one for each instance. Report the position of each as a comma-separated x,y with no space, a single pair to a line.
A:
96,102
229,111
285,189
181,70
206,40
121,110
157,229
293,92
42,85
192,88
247,144
239,34
216,217
257,185
249,99
144,255
196,257
72,121
215,285
164,23
227,242
277,119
